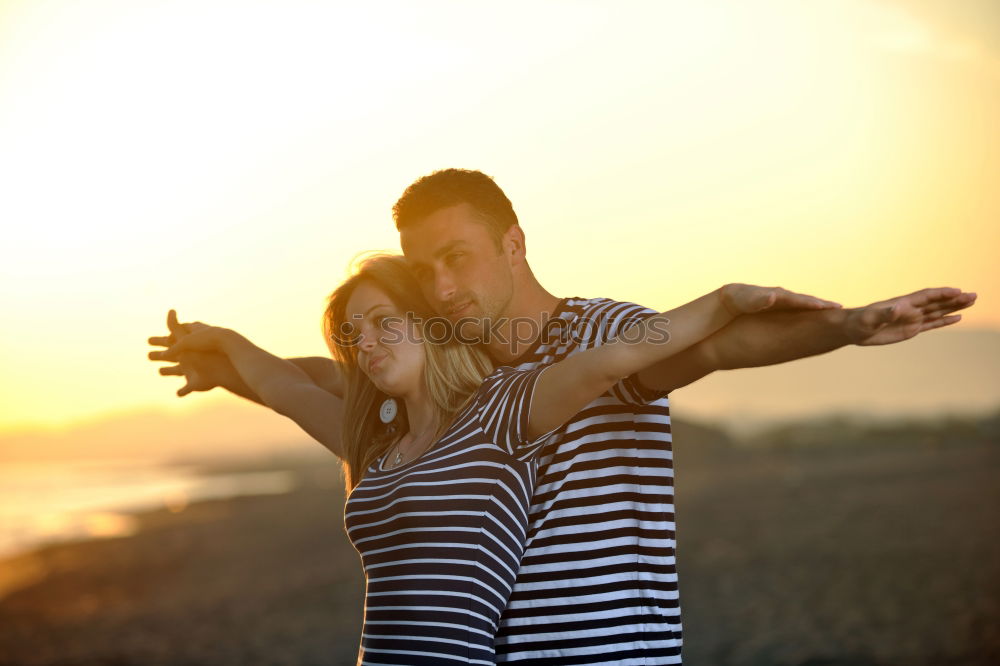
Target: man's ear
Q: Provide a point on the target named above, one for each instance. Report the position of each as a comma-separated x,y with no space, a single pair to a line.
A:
512,243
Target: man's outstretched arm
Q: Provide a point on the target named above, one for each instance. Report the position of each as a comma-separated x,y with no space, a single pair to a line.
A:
774,336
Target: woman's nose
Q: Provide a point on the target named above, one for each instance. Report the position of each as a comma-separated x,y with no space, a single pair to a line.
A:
366,342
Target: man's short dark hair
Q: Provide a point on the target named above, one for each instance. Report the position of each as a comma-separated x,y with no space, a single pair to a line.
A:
450,187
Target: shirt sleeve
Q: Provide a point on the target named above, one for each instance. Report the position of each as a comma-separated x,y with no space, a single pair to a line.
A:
610,322
632,392
504,405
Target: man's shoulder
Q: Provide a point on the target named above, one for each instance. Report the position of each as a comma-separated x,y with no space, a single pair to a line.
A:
579,323
586,312
598,305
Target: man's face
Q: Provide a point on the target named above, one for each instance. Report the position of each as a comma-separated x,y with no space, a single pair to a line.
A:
462,273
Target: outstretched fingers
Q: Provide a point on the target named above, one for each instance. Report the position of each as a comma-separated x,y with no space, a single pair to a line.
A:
176,329
175,326
931,295
945,306
170,354
939,323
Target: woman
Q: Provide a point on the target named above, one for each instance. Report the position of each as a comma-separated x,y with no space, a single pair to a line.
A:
438,449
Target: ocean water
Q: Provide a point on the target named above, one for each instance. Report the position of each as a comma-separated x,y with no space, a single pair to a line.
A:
49,502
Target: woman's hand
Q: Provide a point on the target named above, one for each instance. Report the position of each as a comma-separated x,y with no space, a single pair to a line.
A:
739,299
200,338
200,361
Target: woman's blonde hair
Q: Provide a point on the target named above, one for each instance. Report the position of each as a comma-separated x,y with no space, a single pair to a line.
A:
452,370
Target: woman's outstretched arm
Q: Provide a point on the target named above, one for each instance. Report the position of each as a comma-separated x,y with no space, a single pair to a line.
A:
279,383
204,371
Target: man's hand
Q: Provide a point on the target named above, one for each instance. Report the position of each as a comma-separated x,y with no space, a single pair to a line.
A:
739,299
202,369
767,335
770,337
903,317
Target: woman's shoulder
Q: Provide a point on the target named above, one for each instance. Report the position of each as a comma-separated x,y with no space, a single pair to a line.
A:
501,375
501,371
505,387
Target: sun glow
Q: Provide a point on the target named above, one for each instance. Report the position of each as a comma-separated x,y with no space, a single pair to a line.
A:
228,159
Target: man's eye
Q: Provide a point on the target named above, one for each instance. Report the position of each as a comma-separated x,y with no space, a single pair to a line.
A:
453,257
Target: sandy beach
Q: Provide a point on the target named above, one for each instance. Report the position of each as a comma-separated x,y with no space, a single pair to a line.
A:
818,554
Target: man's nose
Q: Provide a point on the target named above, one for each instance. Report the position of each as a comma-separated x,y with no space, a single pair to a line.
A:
444,287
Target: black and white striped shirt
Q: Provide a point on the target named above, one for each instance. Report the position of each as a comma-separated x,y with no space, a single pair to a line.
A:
441,537
597,583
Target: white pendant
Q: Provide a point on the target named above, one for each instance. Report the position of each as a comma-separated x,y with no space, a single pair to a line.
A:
387,412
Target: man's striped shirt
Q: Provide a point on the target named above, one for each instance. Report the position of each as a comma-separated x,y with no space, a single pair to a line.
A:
597,582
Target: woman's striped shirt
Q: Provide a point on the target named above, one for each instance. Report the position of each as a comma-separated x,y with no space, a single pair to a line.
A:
441,537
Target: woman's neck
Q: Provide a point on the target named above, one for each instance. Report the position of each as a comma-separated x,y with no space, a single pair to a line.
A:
422,417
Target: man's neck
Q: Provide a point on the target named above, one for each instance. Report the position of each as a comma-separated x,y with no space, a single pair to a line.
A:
530,309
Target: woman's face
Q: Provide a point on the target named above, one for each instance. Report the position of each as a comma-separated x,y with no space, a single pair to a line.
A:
389,351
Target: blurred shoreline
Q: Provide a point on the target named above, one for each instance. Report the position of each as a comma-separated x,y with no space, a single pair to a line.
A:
187,586
47,502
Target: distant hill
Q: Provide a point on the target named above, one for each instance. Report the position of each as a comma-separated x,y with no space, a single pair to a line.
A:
218,427
951,371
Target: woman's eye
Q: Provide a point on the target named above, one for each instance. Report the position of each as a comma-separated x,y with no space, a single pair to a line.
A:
348,335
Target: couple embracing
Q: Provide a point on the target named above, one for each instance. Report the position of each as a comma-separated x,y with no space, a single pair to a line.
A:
510,481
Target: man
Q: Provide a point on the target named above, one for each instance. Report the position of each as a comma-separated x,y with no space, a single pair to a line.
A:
597,582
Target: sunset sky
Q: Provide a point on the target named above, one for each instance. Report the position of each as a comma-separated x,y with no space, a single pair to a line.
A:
228,159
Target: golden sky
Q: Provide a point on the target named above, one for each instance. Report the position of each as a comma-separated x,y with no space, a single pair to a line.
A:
228,159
